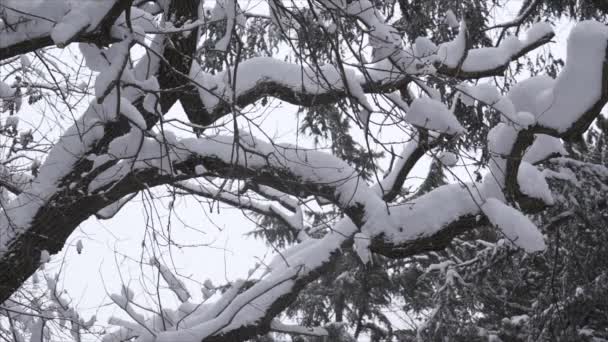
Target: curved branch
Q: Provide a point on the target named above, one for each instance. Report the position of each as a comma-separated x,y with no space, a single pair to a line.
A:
469,69
567,109
266,77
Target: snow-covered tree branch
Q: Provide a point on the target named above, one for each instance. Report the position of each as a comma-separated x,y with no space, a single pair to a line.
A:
367,85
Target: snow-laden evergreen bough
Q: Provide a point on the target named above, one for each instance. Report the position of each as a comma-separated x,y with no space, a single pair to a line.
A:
120,144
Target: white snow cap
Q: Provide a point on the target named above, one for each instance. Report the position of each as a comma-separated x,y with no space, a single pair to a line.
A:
423,47
448,158
515,225
450,19
25,62
362,242
433,115
532,183
450,53
578,87
543,147
45,256
525,119
484,92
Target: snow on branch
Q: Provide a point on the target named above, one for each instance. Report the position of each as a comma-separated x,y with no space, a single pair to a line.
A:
259,77
581,89
291,329
265,76
251,311
433,115
228,10
537,112
292,220
257,306
561,108
36,212
288,201
175,285
287,168
110,154
543,148
516,226
450,58
111,210
31,25
488,61
14,182
135,154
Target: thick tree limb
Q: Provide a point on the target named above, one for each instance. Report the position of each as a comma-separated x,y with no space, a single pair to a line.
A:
32,32
310,91
574,128
53,222
463,73
178,57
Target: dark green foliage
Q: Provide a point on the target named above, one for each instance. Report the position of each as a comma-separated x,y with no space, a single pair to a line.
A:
577,10
489,289
427,19
327,124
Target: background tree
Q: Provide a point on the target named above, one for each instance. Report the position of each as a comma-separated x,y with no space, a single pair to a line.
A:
352,238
